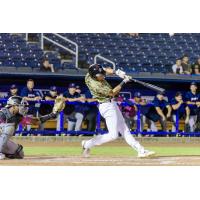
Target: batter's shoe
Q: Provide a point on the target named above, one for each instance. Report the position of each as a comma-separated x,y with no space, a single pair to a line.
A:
2,156
86,151
146,154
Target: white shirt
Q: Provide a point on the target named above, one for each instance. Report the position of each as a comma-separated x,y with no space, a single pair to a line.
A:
175,67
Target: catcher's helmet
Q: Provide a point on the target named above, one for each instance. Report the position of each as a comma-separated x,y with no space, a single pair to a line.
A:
95,70
18,101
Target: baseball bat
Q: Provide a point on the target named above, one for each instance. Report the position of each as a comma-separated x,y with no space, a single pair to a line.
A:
148,85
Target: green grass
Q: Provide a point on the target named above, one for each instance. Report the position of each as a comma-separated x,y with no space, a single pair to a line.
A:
110,151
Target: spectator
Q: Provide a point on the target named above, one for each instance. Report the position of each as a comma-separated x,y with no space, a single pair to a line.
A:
171,34
74,113
134,34
193,101
198,62
177,68
195,69
180,110
46,66
13,91
185,64
30,95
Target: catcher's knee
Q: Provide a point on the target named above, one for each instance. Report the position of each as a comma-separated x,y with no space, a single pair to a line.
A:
18,154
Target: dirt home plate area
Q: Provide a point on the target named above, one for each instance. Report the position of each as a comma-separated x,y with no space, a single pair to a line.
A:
66,151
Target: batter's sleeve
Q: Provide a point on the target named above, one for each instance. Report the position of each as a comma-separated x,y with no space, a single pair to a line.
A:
95,88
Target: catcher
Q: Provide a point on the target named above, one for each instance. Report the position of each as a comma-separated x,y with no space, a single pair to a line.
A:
14,113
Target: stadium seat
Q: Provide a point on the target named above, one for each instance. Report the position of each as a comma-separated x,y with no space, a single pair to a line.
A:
149,51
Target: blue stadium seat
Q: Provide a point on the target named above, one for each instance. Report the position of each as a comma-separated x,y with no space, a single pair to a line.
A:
152,52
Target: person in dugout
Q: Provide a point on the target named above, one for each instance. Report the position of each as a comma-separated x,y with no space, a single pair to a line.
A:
180,110
192,98
29,94
159,111
74,112
13,91
46,107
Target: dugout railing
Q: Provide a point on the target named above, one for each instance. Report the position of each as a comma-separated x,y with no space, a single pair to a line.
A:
99,130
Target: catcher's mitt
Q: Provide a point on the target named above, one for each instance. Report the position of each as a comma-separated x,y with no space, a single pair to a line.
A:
59,104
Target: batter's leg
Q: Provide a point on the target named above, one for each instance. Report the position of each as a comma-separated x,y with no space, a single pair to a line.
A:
110,115
125,132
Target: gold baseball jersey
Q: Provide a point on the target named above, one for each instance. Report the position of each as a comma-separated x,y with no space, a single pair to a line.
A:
99,90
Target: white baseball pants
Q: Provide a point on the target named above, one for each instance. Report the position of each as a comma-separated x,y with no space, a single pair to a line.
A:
115,124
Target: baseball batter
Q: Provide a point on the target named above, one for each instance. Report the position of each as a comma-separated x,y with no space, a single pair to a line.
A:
104,94
14,113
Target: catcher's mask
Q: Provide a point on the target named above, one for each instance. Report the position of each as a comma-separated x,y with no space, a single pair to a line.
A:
20,102
96,70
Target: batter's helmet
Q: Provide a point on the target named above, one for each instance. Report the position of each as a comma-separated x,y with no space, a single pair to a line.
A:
95,70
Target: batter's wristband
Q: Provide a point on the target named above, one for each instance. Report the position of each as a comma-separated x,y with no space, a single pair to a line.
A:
122,83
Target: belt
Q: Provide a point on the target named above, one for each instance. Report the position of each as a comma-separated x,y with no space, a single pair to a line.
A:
109,101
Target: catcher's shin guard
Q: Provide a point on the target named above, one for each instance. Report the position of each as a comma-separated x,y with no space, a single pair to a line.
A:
13,150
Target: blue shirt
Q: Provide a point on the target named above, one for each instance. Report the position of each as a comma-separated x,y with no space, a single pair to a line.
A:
10,95
193,98
68,95
77,107
89,107
29,93
88,94
162,104
48,94
181,110
144,109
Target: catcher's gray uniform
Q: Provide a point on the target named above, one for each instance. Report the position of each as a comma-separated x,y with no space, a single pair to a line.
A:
8,124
